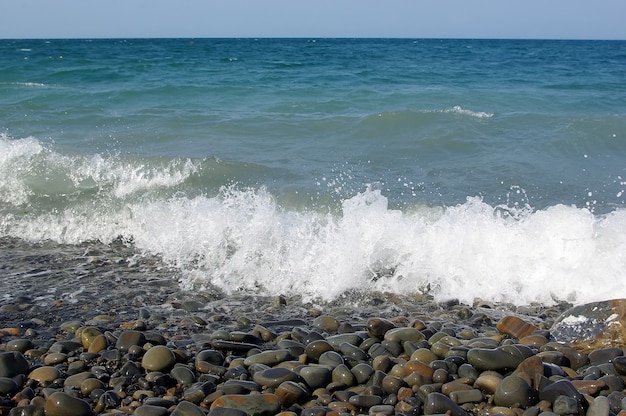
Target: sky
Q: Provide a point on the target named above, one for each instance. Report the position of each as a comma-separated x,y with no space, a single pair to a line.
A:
543,19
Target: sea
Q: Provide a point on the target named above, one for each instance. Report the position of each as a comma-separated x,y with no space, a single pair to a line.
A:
456,169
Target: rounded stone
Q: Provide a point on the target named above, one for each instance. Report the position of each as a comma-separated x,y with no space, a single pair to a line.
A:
365,400
316,376
437,403
88,334
257,404
185,408
377,327
600,406
488,381
129,338
54,358
290,393
514,391
493,359
362,372
326,323
271,357
150,410
158,358
273,377
90,384
315,349
331,359
75,380
343,375
13,363
7,385
565,405
183,375
21,345
404,334
45,374
62,404
98,344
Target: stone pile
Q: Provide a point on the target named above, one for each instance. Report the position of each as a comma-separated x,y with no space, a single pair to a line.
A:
321,365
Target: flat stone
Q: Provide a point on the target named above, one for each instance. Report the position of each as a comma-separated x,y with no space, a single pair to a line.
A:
593,325
185,408
62,404
493,359
273,377
270,358
515,327
45,374
404,334
266,404
150,410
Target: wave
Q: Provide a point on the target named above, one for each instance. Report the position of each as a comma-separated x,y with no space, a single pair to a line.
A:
241,239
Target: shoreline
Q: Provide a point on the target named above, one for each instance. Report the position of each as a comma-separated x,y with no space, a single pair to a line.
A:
106,343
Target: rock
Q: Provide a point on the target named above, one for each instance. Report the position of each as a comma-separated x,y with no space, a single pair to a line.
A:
270,358
565,405
129,338
514,391
290,393
592,325
561,387
326,323
187,409
21,345
515,327
316,376
150,410
7,385
45,374
253,404
377,327
493,359
273,377
62,404
437,403
158,358
599,407
13,363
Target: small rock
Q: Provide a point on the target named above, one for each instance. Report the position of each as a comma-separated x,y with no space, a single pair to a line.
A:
62,404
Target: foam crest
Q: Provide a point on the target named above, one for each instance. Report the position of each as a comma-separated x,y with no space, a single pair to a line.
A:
457,109
30,170
243,241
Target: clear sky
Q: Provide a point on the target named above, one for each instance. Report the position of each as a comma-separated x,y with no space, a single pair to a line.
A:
553,19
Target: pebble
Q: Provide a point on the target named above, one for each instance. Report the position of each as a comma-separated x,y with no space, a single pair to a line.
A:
62,404
428,359
158,358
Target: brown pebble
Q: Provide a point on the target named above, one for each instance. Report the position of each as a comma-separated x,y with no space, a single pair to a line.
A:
515,327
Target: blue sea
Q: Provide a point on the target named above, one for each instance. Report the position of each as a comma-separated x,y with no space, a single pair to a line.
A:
460,169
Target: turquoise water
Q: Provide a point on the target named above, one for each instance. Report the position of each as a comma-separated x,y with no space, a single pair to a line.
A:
466,168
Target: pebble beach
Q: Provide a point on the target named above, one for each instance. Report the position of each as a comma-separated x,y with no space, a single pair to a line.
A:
92,329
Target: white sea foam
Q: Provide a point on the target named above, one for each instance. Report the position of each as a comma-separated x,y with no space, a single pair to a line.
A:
457,109
243,239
